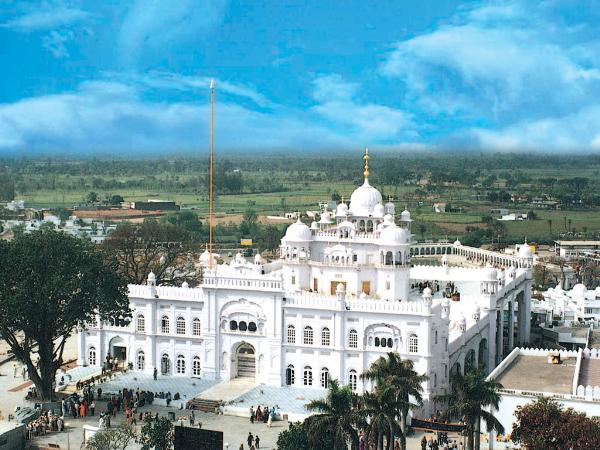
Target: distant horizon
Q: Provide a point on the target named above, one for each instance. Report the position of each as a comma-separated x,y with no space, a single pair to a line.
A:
134,77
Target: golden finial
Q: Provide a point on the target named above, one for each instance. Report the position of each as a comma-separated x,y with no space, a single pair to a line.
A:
389,198
366,158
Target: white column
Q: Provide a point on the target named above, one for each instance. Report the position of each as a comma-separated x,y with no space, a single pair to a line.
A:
82,357
511,324
500,336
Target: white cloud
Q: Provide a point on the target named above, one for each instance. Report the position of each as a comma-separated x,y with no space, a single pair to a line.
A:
56,43
156,26
47,16
336,101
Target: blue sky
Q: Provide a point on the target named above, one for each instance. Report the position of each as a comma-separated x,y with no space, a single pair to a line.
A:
132,76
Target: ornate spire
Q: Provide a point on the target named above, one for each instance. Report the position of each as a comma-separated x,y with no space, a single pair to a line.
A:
366,158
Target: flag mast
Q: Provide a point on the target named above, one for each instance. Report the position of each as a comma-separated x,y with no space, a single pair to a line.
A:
210,170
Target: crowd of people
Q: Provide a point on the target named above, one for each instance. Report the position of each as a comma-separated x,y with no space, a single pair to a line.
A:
264,414
45,423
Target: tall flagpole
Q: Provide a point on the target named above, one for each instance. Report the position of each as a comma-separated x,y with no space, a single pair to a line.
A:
210,170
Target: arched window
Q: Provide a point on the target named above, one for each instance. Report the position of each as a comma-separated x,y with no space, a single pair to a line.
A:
252,327
383,342
290,376
308,378
413,343
141,360
243,326
196,329
353,339
308,335
92,356
164,325
325,377
377,342
233,326
352,379
325,337
141,323
390,342
180,325
436,336
196,366
291,334
180,364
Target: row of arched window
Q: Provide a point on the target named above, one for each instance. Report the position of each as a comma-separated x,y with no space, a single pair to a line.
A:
307,377
242,326
165,325
308,338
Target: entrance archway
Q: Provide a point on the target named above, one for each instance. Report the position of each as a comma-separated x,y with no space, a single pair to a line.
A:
165,364
118,349
246,361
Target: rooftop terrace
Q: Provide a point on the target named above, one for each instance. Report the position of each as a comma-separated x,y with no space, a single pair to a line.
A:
534,373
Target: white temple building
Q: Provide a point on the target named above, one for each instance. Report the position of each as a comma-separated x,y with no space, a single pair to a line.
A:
344,291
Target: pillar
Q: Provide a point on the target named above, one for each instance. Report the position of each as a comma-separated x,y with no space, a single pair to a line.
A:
500,335
511,324
82,357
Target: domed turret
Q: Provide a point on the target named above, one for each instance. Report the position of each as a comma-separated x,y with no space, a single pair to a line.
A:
457,243
579,290
525,251
205,258
151,279
394,235
325,218
314,225
258,259
390,208
185,285
341,210
364,199
405,216
388,220
379,210
297,231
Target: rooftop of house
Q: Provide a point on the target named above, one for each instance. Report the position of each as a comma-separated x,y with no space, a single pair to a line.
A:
535,373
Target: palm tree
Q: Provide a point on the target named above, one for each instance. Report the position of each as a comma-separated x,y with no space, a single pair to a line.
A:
393,373
335,417
379,414
550,225
470,394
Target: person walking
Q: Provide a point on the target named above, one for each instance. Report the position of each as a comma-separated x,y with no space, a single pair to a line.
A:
257,442
92,407
250,439
155,373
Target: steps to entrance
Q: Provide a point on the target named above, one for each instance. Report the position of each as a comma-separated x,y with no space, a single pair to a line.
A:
204,405
225,391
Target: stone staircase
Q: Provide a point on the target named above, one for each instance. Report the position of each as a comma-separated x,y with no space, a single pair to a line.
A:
204,404
589,374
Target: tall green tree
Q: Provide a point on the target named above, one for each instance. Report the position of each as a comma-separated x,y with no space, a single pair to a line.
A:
546,425
50,284
378,409
334,417
296,438
115,438
468,399
157,433
162,248
397,375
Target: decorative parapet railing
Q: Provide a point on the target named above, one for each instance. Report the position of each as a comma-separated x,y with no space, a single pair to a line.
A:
424,249
261,284
167,292
317,301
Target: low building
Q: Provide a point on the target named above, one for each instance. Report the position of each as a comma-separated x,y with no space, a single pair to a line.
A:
576,249
570,377
155,205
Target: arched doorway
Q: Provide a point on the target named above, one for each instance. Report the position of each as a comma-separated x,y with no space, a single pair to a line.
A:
118,349
246,361
165,364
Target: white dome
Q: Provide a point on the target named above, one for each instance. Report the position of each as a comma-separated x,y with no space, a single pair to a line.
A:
205,258
525,251
362,295
346,224
185,285
427,292
445,259
394,235
457,243
341,210
405,216
325,218
388,220
257,259
314,225
151,277
379,210
389,208
297,232
364,199
579,289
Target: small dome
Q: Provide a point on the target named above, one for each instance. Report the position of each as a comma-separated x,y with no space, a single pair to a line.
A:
445,259
151,277
364,199
257,259
379,210
362,296
579,289
340,288
525,251
328,250
489,274
325,217
314,225
388,220
341,210
405,216
393,235
389,208
205,258
457,243
185,285
427,292
462,320
477,308
297,231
